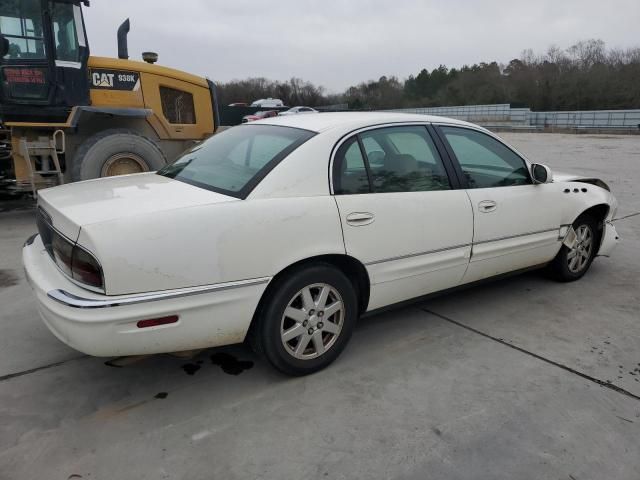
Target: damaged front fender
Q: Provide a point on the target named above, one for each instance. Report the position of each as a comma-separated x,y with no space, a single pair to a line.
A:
568,177
570,238
610,239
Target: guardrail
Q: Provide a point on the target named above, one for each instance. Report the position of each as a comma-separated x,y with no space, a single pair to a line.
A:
592,118
504,115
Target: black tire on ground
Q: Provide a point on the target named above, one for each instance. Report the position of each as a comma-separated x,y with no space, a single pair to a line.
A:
94,152
265,336
559,268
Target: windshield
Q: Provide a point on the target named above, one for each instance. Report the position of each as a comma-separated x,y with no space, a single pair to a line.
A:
234,161
21,24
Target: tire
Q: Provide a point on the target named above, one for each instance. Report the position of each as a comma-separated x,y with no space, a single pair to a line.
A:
116,150
288,294
566,267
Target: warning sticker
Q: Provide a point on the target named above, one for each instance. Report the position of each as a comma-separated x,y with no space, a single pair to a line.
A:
25,75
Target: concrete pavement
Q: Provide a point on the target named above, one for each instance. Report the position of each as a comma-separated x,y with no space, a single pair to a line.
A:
520,378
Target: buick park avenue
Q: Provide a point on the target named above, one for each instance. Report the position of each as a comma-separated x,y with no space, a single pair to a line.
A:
284,231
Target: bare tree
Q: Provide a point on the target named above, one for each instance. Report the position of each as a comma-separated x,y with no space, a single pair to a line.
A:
585,75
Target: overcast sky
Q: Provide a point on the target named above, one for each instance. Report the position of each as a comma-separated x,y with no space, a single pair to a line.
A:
338,43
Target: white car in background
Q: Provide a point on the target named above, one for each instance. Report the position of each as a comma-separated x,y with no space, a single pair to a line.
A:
287,229
268,103
296,110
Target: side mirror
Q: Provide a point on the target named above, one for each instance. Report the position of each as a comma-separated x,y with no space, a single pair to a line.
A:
4,46
541,173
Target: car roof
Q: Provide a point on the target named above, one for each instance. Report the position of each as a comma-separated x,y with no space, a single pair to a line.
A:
353,120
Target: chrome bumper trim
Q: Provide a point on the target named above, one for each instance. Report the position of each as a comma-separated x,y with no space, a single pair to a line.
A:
74,301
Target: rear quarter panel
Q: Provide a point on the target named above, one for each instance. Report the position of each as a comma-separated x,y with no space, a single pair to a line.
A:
210,244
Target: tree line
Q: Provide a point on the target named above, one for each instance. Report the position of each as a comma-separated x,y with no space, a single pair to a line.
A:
585,76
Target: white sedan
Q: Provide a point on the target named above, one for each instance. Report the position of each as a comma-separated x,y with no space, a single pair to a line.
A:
297,110
286,230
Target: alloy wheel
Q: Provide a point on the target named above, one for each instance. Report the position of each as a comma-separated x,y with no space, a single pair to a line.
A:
312,321
579,256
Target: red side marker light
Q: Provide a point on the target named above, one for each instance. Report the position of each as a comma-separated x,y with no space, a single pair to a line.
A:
154,322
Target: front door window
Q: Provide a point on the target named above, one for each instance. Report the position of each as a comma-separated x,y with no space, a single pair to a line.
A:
485,161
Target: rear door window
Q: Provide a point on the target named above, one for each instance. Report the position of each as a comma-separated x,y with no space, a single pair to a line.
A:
375,153
350,172
404,159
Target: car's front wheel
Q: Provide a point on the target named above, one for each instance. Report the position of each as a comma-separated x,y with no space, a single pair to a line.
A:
307,320
572,263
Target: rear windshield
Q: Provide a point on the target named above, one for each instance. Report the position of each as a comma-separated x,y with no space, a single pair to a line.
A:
234,161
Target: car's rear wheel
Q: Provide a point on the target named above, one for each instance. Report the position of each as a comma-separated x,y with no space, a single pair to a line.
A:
307,320
572,263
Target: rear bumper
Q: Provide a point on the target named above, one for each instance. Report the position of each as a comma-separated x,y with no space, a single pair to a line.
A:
103,325
610,239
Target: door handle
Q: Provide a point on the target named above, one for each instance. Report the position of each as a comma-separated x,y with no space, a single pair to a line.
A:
487,206
358,219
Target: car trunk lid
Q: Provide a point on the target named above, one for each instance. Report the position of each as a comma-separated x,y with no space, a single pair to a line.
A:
69,207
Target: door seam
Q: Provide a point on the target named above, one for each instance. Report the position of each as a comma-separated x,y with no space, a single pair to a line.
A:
344,243
473,234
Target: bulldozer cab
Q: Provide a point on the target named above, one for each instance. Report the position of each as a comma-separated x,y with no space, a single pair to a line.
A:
43,59
69,116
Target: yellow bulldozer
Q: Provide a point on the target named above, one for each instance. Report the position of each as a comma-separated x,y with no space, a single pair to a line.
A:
67,116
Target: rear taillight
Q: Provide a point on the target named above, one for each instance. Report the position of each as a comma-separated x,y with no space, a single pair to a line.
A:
72,259
86,269
62,251
76,262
